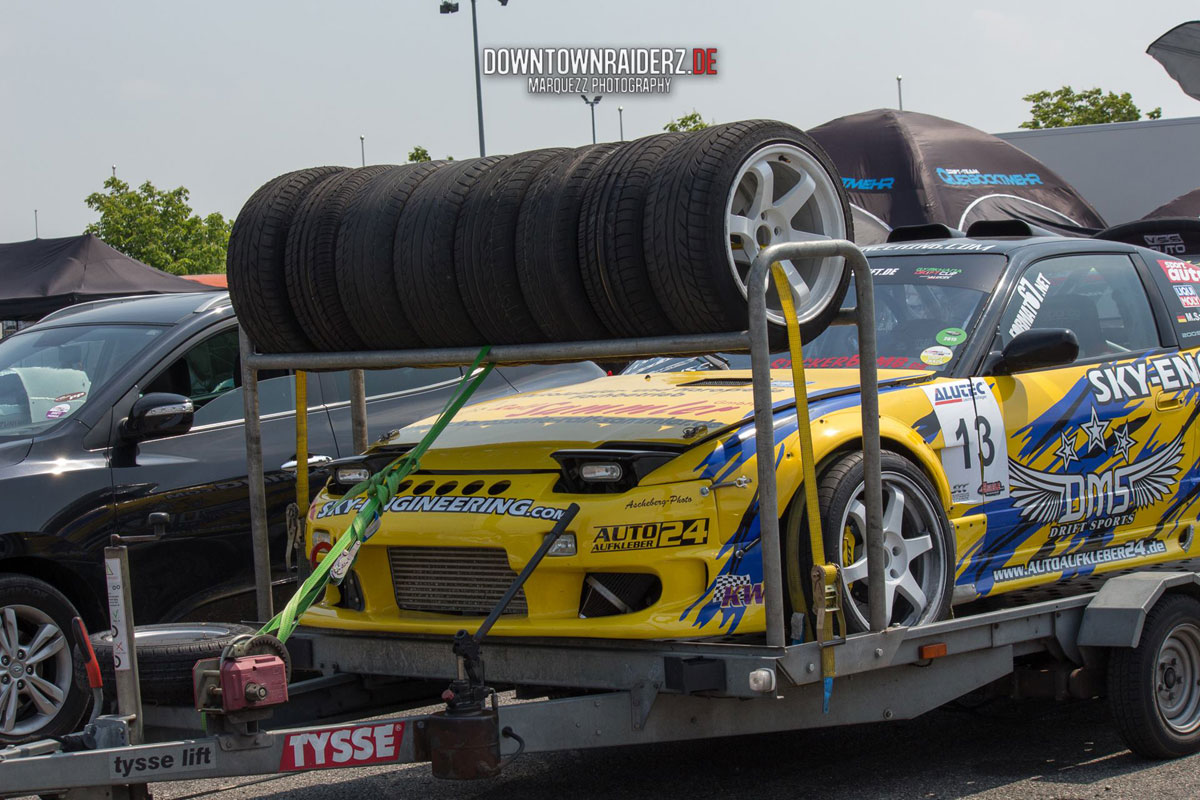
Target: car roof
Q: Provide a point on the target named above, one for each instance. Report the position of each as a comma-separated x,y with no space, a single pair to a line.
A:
160,309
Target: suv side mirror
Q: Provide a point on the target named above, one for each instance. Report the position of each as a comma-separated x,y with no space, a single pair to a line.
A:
1036,349
158,414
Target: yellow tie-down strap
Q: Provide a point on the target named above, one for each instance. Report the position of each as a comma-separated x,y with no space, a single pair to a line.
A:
826,578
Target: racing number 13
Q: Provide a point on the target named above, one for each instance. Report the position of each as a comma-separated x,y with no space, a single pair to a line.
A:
983,429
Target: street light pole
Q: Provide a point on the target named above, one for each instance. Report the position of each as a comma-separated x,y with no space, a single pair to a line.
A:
35,228
478,81
899,93
621,118
362,147
448,7
592,105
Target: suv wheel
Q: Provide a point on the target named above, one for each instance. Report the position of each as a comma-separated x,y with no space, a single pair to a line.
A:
39,696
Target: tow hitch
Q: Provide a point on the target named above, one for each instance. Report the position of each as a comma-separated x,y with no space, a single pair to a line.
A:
463,742
237,689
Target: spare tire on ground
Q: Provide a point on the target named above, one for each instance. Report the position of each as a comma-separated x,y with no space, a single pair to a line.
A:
165,656
255,265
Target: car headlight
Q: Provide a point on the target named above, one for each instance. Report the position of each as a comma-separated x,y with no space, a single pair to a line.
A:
608,470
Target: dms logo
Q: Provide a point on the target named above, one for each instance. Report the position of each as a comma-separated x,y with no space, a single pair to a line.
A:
973,177
868,184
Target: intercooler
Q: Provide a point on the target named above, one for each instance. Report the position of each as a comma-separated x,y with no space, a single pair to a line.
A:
465,581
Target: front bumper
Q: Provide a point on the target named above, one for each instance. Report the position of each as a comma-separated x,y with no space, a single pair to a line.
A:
653,562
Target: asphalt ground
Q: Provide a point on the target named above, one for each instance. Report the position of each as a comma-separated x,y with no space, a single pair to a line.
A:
1002,749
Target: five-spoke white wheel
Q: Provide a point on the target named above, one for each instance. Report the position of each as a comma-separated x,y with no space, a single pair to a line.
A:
782,193
918,558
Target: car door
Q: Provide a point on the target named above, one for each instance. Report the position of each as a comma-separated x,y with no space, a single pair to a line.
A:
203,568
1099,450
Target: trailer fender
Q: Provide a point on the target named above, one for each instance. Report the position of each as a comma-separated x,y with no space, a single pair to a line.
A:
1117,613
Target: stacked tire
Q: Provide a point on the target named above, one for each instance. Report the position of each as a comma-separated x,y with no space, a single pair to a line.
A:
644,238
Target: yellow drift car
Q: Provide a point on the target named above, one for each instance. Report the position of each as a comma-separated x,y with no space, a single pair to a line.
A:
1038,397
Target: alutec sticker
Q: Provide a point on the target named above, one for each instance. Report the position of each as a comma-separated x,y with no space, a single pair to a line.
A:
349,746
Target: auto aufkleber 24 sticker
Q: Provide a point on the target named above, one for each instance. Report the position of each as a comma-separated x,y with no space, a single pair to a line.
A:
975,457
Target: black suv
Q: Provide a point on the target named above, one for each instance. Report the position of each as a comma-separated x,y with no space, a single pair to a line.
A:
81,459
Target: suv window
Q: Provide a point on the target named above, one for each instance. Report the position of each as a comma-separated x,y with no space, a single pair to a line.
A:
1099,297
210,374
388,381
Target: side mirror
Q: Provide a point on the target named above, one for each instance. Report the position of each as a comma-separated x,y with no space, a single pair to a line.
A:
158,414
1037,349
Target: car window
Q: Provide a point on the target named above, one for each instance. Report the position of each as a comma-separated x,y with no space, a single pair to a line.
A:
388,381
49,374
1099,297
209,373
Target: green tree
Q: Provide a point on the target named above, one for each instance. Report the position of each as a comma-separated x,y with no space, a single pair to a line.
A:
688,122
158,228
1064,107
418,154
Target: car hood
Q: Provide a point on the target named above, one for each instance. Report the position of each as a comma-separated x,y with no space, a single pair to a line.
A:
658,408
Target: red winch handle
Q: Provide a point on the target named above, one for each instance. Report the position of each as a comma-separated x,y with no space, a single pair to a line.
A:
95,679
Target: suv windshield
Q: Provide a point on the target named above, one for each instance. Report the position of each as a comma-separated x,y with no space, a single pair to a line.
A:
925,308
47,375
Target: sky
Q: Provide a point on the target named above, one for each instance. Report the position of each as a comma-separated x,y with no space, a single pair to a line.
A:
221,96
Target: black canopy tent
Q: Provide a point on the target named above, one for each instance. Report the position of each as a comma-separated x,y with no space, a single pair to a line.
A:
42,275
1186,205
1178,50
906,168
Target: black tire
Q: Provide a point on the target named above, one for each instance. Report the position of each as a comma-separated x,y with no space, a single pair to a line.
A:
255,263
311,269
165,656
35,604
426,282
547,247
485,249
610,238
687,248
365,244
837,487
1144,706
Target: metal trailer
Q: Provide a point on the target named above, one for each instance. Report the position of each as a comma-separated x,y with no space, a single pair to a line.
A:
623,693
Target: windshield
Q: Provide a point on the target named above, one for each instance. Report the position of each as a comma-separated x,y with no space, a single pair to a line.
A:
47,375
925,308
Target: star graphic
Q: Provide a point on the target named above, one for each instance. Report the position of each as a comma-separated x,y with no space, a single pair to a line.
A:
1125,442
1066,450
1095,431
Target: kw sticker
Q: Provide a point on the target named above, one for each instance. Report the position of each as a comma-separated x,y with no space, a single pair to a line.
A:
650,535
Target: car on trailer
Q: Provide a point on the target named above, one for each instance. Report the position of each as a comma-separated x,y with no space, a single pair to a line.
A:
111,411
1038,397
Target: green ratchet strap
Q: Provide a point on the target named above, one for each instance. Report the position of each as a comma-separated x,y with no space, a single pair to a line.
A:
378,489
825,579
